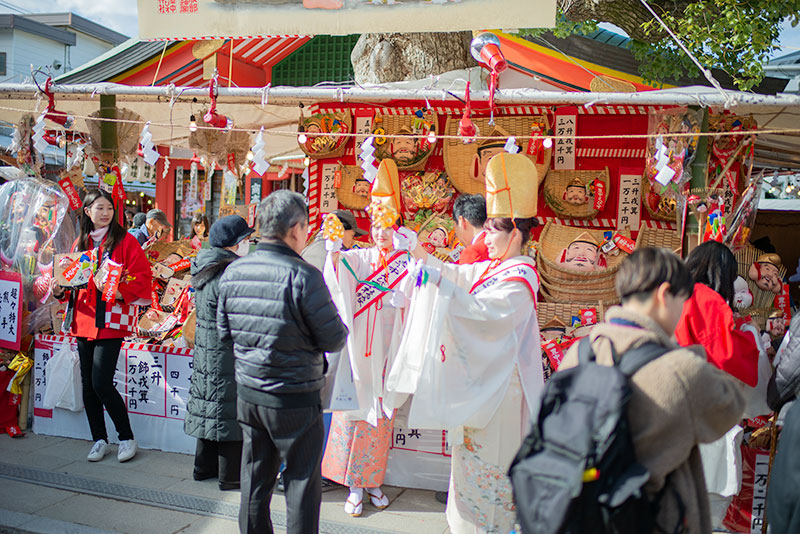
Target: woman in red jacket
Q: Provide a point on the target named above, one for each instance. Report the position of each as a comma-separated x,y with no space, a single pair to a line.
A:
708,314
100,326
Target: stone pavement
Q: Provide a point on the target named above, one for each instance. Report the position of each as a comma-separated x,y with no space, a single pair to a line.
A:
48,486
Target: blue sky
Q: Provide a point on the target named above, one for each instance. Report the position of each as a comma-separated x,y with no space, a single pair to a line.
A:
120,15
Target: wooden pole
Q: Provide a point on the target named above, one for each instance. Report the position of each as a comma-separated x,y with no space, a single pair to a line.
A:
699,177
108,129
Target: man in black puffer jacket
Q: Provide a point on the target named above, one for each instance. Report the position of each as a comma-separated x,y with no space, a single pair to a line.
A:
278,312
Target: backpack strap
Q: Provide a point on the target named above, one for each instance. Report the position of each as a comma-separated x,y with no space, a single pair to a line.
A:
635,359
585,351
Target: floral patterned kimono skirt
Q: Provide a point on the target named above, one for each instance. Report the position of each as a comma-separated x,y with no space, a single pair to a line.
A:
357,452
480,498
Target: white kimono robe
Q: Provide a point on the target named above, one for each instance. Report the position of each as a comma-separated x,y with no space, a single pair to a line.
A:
471,357
374,333
462,343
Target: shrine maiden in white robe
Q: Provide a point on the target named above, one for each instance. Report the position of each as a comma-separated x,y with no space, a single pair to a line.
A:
471,358
375,325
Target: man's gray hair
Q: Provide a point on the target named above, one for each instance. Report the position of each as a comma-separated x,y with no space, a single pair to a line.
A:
279,212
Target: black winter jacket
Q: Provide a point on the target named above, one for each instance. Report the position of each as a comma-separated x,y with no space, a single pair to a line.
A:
211,408
785,381
277,310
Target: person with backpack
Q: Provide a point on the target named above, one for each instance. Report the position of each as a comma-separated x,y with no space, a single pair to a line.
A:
677,400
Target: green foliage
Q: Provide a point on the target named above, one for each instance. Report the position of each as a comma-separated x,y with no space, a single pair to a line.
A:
737,36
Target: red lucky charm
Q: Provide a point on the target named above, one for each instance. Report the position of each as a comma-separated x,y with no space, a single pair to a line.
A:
466,128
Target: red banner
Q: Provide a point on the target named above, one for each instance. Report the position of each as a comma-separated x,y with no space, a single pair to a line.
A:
782,303
72,195
599,194
624,243
112,281
180,265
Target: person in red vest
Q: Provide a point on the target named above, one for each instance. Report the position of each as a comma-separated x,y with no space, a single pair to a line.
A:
708,315
469,212
101,326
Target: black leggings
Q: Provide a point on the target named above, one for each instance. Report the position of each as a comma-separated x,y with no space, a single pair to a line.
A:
98,364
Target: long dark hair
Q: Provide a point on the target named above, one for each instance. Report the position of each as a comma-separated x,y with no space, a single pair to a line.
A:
198,218
116,233
714,265
506,224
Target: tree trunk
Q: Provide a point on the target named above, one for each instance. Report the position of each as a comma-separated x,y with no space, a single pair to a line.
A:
397,57
627,14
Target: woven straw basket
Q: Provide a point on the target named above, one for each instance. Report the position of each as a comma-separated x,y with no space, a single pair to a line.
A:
654,237
607,84
591,284
335,148
556,185
345,194
745,258
458,156
556,237
660,214
576,292
391,125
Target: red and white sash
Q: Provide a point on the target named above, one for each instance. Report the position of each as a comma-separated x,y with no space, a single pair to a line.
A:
514,270
396,270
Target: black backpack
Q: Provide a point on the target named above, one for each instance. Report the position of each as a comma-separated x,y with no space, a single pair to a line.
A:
576,472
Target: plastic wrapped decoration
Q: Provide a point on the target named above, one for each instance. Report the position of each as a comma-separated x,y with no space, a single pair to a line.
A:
743,217
31,214
670,151
708,206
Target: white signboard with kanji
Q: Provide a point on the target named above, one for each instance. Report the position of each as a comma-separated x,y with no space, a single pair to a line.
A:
629,206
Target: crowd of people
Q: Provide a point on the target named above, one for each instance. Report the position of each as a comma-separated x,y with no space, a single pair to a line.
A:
267,319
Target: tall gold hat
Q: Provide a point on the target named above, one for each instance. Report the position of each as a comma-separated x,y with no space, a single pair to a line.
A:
385,193
512,184
772,258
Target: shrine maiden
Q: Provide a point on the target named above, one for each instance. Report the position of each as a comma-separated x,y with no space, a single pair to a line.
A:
470,353
361,283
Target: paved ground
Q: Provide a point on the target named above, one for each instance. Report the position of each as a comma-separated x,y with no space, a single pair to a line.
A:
47,486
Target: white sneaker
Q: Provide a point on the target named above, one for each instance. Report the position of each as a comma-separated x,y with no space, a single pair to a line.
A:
126,450
99,450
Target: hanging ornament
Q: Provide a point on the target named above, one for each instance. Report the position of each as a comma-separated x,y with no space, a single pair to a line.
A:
260,164
149,152
511,145
166,168
16,142
39,142
368,159
466,128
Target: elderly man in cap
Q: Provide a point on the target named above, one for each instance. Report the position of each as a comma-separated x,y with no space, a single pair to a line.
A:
783,494
155,228
315,252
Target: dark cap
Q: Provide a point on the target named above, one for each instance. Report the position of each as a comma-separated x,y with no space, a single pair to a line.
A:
228,231
158,216
796,276
349,221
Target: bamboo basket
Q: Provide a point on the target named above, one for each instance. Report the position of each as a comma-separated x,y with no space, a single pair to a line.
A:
576,292
654,237
390,126
607,84
556,237
458,156
666,210
745,258
556,185
344,193
592,284
319,145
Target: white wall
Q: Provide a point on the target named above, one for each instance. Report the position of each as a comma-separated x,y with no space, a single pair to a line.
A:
86,48
39,51
7,46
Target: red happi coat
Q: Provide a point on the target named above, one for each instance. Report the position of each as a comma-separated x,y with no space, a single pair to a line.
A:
135,284
707,320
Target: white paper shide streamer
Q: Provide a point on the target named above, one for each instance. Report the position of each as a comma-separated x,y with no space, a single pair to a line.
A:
38,134
368,159
260,163
149,152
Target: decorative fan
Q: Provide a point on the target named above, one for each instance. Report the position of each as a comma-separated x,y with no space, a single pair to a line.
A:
217,143
127,132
